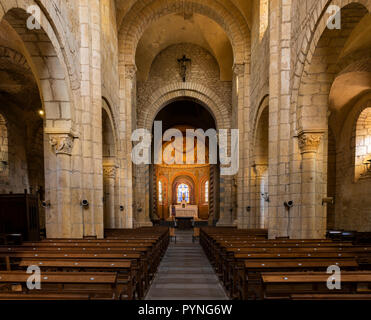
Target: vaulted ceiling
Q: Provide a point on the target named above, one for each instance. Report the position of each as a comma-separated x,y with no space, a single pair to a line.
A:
180,28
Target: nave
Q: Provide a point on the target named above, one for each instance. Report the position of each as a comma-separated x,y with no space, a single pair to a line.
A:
185,273
159,263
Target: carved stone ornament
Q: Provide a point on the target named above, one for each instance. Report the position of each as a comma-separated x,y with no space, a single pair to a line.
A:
109,171
309,141
62,144
130,71
239,69
260,169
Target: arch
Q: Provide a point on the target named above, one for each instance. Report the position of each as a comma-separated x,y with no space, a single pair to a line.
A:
264,103
47,61
361,142
108,111
183,178
316,75
165,95
143,13
58,32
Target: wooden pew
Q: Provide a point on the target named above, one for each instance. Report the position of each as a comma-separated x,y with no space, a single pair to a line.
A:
228,250
124,269
282,285
43,296
248,279
135,258
99,285
332,296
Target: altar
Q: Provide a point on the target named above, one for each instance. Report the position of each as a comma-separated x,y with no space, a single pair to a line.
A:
184,211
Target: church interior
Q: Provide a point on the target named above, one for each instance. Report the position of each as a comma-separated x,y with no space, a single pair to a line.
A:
80,78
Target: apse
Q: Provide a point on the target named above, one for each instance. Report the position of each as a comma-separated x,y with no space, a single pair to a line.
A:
191,183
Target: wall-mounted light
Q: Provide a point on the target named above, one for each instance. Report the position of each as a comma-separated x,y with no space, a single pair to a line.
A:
41,112
328,200
84,203
45,204
288,204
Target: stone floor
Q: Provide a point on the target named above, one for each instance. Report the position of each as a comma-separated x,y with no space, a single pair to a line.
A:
185,273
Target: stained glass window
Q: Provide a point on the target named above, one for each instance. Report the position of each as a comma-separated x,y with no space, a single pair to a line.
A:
206,191
159,191
183,189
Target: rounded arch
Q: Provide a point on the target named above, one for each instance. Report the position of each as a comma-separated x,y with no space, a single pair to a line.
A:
315,30
48,61
304,81
52,24
106,106
165,95
143,13
184,178
361,137
264,103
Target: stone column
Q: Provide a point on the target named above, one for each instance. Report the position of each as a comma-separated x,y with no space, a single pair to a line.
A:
109,179
228,200
260,170
279,115
309,143
60,220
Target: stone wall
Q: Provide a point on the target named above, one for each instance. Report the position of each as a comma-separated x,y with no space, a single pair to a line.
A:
203,72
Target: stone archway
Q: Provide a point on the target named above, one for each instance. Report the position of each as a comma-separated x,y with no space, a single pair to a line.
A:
211,102
260,166
313,84
205,96
53,71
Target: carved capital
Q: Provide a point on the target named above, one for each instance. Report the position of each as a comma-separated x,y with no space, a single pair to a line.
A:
109,171
260,169
62,143
130,71
239,69
309,141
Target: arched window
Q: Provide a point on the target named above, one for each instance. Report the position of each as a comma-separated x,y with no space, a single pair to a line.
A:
160,198
3,147
183,189
363,145
206,190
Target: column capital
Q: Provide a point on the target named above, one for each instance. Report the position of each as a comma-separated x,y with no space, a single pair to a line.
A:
239,69
260,169
130,71
309,141
109,170
62,143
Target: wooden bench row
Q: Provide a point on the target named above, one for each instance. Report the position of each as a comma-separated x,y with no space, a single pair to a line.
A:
128,264
241,260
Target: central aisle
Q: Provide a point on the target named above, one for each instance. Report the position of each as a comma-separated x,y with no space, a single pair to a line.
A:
185,273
